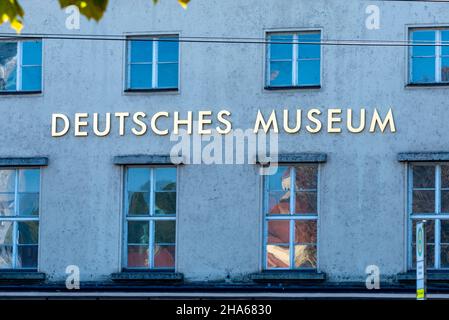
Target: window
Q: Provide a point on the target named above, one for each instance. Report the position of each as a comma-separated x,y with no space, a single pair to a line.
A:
150,217
153,63
294,59
291,217
429,200
429,56
21,66
19,218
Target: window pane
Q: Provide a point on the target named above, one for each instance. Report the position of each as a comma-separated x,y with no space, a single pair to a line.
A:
167,75
138,256
7,180
28,232
430,255
445,70
305,256
31,78
165,232
168,50
422,38
445,176
423,70
139,179
8,65
164,256
32,53
27,256
279,202
165,179
445,41
29,204
6,230
309,72
423,176
280,180
6,257
138,232
445,201
278,231
141,76
305,231
444,256
278,256
165,203
309,51
282,50
138,203
141,51
306,202
306,177
281,73
7,204
423,202
29,180
445,231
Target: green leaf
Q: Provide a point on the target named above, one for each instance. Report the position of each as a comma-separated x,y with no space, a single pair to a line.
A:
91,9
183,3
12,12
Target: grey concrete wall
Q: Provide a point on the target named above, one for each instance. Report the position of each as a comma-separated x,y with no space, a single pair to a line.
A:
362,217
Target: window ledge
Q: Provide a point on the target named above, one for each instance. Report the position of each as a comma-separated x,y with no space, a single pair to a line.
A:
288,276
147,276
151,90
292,88
19,93
22,276
427,85
432,276
423,156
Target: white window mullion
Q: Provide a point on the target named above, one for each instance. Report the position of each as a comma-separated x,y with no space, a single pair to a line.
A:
19,65
151,222
438,52
437,211
15,232
292,221
295,61
155,63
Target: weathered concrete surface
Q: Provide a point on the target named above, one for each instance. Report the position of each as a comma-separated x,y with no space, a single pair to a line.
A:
362,195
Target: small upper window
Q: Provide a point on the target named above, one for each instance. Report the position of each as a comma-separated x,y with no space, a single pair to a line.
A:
21,66
429,62
294,59
153,63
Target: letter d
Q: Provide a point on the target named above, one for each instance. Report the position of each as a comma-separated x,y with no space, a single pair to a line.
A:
54,125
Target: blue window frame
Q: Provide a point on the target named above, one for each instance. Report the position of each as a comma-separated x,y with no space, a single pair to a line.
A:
291,218
294,59
153,63
19,218
150,217
429,56
21,66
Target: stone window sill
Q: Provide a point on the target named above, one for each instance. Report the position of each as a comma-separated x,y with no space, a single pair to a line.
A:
21,276
147,277
288,276
432,276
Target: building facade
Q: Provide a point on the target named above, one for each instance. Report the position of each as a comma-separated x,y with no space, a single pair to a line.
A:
115,205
